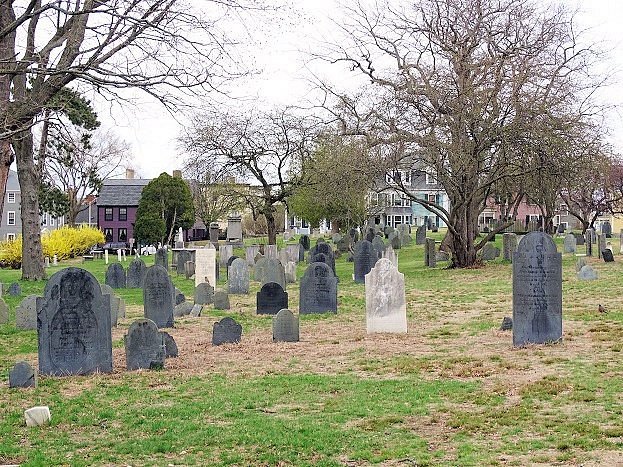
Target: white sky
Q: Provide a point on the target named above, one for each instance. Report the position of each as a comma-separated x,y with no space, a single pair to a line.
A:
152,131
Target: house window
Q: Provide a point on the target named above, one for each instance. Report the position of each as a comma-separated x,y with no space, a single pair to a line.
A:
430,179
396,200
432,198
11,218
108,214
406,177
51,220
44,219
406,201
10,236
10,197
123,214
123,235
108,235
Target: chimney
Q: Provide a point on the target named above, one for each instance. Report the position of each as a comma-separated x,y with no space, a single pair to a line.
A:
129,174
177,173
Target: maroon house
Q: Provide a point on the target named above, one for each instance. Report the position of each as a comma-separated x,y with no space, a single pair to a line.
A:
116,207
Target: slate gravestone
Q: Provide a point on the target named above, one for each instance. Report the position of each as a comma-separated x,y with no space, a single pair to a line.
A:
344,245
158,297
182,309
15,289
396,242
489,252
274,272
189,269
115,276
144,346
225,252
4,312
601,244
579,239
588,242
322,258
226,331
391,255
73,325
285,327
386,306
179,298
115,303
434,228
318,290
580,262
320,247
238,279
379,246
270,251
420,235
26,313
250,254
260,268
301,254
283,257
170,346
507,324
442,256
607,255
221,300
229,262
161,258
205,266
606,229
587,273
509,245
183,256
430,258
136,273
537,291
22,375
290,271
304,241
292,252
214,233
370,235
271,298
204,294
365,258
570,243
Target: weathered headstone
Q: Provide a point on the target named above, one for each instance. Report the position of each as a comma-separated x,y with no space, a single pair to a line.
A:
250,254
579,239
607,255
221,300
379,246
14,289
183,309
290,271
580,263
336,237
537,291
170,346
587,273
569,243
601,244
589,235
489,252
226,331
115,303
144,346
238,278
205,266
370,234
270,251
365,258
26,313
204,294
179,298
161,258
115,276
507,324
183,256
4,312
420,235
391,255
274,272
214,233
606,229
22,375
189,269
158,297
430,257
38,416
73,325
260,268
442,256
509,245
271,298
285,327
136,273
304,241
225,252
386,307
323,258
234,228
318,290
196,310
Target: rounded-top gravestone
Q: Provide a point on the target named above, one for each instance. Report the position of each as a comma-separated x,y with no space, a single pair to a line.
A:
136,273
158,297
285,327
271,298
226,331
304,241
318,290
26,313
115,276
238,278
204,294
144,346
161,258
22,375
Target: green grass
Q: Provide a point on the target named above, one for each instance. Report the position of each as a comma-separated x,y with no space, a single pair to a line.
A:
451,392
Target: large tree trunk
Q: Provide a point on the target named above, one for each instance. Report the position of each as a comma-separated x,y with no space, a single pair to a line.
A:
32,252
271,225
464,221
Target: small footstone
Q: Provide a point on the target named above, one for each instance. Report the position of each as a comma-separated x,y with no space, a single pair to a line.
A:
607,256
226,331
38,416
179,298
587,273
195,312
507,324
15,289
170,347
22,375
183,309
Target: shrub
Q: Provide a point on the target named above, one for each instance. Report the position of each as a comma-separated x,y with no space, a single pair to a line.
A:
11,253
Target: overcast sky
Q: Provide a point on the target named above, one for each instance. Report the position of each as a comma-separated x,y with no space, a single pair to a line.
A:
279,54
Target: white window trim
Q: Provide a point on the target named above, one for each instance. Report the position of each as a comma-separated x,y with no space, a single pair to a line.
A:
9,196
8,218
10,236
431,179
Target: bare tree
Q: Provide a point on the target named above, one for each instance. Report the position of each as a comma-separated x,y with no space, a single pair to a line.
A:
263,149
156,45
459,86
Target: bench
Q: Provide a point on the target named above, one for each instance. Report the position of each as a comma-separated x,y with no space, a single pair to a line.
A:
88,257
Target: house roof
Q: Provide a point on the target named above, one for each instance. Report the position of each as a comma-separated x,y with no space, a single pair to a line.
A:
121,192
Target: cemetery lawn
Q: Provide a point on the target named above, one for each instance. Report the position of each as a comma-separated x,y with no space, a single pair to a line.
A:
453,391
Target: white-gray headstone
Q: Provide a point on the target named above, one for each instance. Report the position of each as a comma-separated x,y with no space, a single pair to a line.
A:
386,308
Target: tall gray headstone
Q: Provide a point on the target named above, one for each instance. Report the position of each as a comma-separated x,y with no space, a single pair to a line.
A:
509,245
158,297
234,228
144,346
274,272
386,306
285,327
73,325
115,276
136,273
250,253
238,278
365,258
420,235
570,243
260,268
183,256
226,331
214,233
225,252
430,257
26,313
318,290
293,252
161,258
537,291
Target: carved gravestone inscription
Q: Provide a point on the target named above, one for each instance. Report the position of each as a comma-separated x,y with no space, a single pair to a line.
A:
158,297
271,298
386,306
318,290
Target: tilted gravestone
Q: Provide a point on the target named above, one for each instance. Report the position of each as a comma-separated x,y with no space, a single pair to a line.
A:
250,254
158,297
225,252
115,303
274,272
430,257
318,290
115,276
205,265
238,278
570,243
365,258
386,306
183,309
226,331
509,245
161,258
420,235
607,255
183,256
136,273
336,238
22,375
489,252
204,294
170,346
26,313
221,300
73,325
285,327
442,256
344,245
14,289
537,291
144,346
587,273
271,298
304,241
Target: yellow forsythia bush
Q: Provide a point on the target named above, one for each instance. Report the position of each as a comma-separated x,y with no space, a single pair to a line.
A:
65,242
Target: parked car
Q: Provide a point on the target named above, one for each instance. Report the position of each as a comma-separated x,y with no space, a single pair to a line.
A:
114,246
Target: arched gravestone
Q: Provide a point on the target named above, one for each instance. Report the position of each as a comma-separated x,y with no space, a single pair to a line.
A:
115,276
204,294
364,258
271,298
379,245
318,290
183,256
161,258
136,273
158,298
570,243
144,346
274,272
229,262
226,331
321,247
537,291
73,325
238,279
386,306
326,259
285,327
304,241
